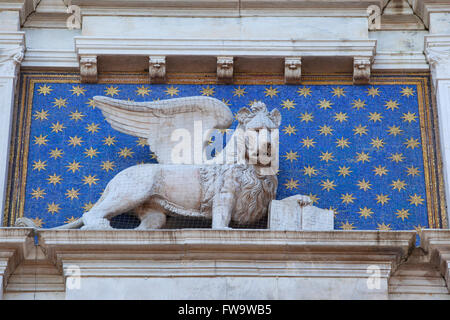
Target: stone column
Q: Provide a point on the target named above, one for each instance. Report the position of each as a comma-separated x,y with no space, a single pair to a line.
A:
11,54
437,49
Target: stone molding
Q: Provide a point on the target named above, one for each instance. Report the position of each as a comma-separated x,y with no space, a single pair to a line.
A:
436,242
24,7
424,8
437,51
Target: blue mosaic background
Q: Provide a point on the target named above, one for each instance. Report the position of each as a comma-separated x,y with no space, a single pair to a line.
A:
354,149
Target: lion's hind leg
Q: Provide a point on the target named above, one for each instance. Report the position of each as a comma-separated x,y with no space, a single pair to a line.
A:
151,217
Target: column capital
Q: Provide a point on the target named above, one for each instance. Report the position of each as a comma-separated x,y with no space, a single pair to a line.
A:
10,59
437,51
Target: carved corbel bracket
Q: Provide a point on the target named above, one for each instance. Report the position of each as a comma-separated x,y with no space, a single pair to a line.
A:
10,59
361,70
225,69
88,69
439,60
292,70
157,69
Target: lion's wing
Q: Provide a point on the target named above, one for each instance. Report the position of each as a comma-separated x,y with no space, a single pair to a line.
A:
156,121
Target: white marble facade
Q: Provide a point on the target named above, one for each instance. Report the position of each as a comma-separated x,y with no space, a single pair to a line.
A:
410,36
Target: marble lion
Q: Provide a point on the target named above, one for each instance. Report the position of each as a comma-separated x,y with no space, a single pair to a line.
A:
232,189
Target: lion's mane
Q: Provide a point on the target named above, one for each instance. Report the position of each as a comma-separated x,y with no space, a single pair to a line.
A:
253,191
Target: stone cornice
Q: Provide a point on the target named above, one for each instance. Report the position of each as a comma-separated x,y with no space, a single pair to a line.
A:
423,8
437,51
24,7
218,47
15,244
227,7
154,252
437,244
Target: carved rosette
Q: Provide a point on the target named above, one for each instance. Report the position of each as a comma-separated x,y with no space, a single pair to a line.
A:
439,60
10,60
292,70
88,69
225,69
157,69
361,70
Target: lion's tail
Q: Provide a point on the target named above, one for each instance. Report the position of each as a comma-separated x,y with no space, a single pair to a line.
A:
28,223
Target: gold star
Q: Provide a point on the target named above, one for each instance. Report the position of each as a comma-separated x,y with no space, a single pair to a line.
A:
382,198
70,220
412,143
38,193
360,130
208,91
328,185
366,212
412,171
109,140
251,103
347,198
342,143
306,117
338,92
57,127
347,226
91,152
56,153
53,208
41,140
288,104
291,156
394,130
172,91
45,90
92,128
384,227
271,92
397,157
226,102
373,92
398,184
54,179
407,92
375,116
327,156
363,157
309,171
76,116
72,193
416,200
90,180
142,91
314,198
377,143
78,90
419,228
402,214
125,152
74,166
391,105
379,171
108,165
291,184
344,171
112,91
87,206
325,130
364,185
240,92
409,117
75,141
340,117
91,103
305,92
39,165
325,104
60,102
359,104
307,142
289,130
142,142
41,115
